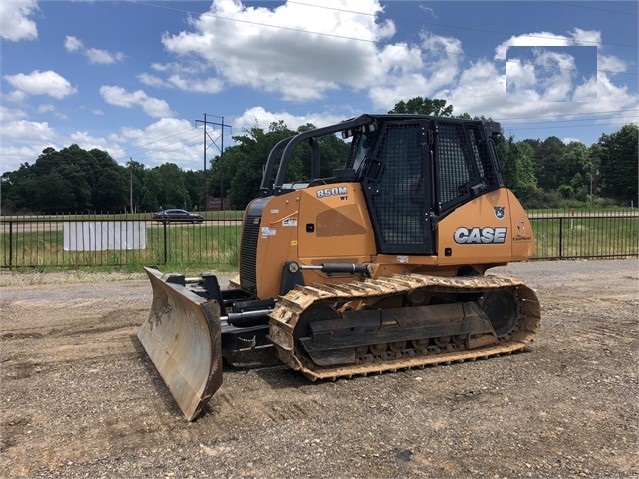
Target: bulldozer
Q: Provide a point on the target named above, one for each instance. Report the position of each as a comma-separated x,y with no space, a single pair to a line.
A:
379,265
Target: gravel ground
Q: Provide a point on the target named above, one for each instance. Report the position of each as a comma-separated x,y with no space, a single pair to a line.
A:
81,399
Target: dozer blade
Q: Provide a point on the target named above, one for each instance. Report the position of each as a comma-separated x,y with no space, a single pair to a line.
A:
183,339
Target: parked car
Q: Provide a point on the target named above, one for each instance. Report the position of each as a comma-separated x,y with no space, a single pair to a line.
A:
177,216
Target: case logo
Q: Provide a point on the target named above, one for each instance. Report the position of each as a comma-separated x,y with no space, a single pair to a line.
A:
479,235
500,212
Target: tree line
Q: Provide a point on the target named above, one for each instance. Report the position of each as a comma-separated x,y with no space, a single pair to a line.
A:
541,173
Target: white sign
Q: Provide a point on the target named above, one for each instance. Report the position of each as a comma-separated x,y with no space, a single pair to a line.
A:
104,235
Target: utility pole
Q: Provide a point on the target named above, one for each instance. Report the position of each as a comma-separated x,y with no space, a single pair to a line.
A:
205,122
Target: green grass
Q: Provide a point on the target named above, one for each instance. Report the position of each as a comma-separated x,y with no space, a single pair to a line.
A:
578,237
175,247
215,247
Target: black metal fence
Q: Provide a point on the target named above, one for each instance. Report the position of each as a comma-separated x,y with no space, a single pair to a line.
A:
592,234
116,240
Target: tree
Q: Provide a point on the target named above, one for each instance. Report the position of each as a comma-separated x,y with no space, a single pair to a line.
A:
548,154
74,180
53,194
79,187
137,173
246,160
517,167
595,153
572,167
112,191
618,164
166,183
18,188
194,183
423,106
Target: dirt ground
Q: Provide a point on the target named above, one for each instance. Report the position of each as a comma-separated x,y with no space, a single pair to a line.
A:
79,398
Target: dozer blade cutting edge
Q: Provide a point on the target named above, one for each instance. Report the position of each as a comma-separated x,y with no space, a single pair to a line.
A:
183,339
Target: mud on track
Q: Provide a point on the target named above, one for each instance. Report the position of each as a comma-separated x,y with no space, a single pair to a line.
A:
79,398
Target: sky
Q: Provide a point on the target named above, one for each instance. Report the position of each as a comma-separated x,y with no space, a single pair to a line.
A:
139,79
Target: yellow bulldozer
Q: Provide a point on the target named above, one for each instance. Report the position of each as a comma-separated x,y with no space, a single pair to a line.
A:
379,266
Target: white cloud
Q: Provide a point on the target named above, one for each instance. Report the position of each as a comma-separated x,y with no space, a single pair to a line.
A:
118,96
418,70
152,80
46,108
159,143
88,142
479,89
191,78
11,114
103,57
521,76
95,55
610,64
539,39
28,139
16,96
41,83
297,51
15,24
443,56
586,37
558,71
52,110
587,91
73,44
16,154
258,116
204,85
551,75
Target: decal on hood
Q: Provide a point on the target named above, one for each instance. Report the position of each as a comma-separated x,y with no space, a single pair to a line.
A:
477,235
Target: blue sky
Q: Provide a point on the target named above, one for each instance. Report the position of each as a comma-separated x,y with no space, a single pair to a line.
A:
135,78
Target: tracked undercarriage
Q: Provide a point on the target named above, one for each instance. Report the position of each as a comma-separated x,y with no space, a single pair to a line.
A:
405,321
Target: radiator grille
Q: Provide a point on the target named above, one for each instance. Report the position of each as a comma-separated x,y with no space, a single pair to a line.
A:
250,233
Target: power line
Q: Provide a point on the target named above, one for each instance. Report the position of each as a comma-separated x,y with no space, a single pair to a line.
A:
594,125
482,30
139,145
574,114
366,40
582,5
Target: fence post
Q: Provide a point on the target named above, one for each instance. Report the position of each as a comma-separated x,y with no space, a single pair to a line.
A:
561,229
10,244
165,250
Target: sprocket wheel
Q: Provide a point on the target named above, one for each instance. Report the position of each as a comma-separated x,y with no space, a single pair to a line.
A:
501,308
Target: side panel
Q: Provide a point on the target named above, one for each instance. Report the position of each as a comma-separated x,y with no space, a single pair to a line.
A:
334,225
276,242
492,228
323,224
